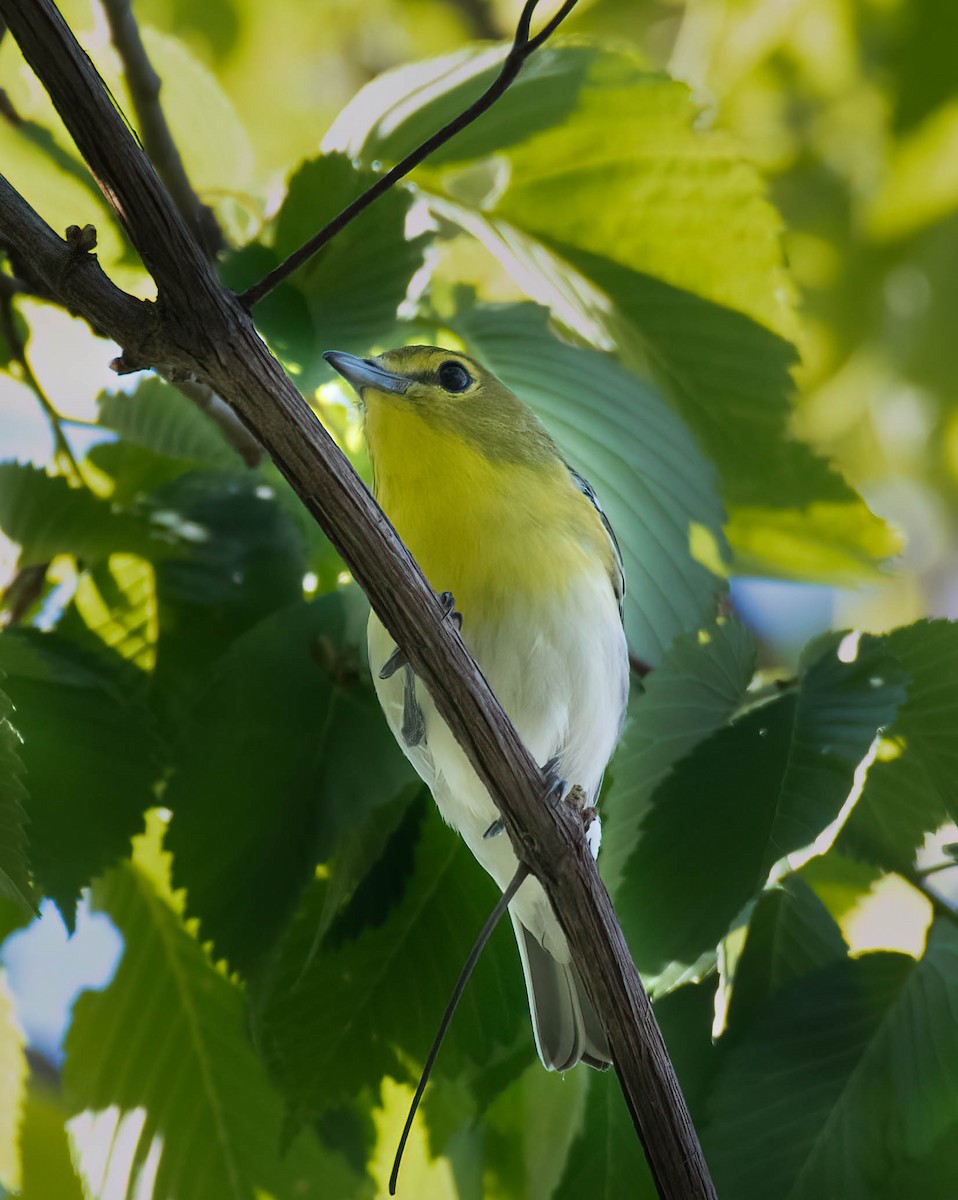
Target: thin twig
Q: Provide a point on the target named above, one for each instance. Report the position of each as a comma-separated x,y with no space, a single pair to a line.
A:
21,593
924,872
488,929
220,413
145,85
18,352
522,46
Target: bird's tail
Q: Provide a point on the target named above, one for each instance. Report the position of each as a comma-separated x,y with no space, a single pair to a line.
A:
566,1027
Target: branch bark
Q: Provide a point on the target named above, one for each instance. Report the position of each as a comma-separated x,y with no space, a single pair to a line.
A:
145,85
199,327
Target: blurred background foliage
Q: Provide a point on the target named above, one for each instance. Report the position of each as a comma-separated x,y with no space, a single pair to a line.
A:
679,210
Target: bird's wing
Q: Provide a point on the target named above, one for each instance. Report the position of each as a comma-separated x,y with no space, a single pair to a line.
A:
618,576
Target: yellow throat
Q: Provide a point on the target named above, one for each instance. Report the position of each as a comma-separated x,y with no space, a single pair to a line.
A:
490,531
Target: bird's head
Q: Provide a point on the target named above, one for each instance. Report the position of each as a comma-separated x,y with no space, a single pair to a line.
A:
451,393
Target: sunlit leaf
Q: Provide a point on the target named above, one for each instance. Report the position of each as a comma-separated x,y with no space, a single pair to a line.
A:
617,142
45,1160
844,1077
117,602
912,788
752,793
208,133
204,1118
289,740
41,162
13,1078
921,185
47,517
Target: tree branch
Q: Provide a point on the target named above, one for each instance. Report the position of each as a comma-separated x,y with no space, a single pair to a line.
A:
522,47
145,84
204,331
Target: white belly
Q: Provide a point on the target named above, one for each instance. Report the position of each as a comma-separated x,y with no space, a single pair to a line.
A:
562,677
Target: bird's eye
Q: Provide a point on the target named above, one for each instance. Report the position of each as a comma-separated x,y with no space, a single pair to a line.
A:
454,377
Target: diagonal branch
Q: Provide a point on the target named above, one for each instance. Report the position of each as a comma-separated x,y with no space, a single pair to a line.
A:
522,47
204,331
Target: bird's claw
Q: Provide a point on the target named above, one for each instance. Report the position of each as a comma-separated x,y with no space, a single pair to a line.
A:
392,664
398,657
497,827
558,790
448,602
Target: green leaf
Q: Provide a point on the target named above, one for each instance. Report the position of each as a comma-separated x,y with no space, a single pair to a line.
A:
921,60
160,418
591,124
207,1119
381,992
346,297
700,682
527,1132
652,482
13,1078
116,600
912,788
751,794
606,1160
46,516
133,471
847,1075
46,1165
595,185
205,126
290,742
932,1176
237,555
15,884
790,934
90,752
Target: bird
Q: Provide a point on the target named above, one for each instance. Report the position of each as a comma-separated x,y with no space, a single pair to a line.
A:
478,490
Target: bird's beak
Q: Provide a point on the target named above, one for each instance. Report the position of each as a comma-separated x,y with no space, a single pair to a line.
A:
364,373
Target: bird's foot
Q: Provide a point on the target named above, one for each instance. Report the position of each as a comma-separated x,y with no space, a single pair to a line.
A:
398,657
560,791
556,786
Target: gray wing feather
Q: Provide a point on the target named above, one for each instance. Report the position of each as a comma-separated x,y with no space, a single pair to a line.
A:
587,490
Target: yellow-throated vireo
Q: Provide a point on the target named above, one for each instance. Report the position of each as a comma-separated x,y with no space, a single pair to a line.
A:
480,494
